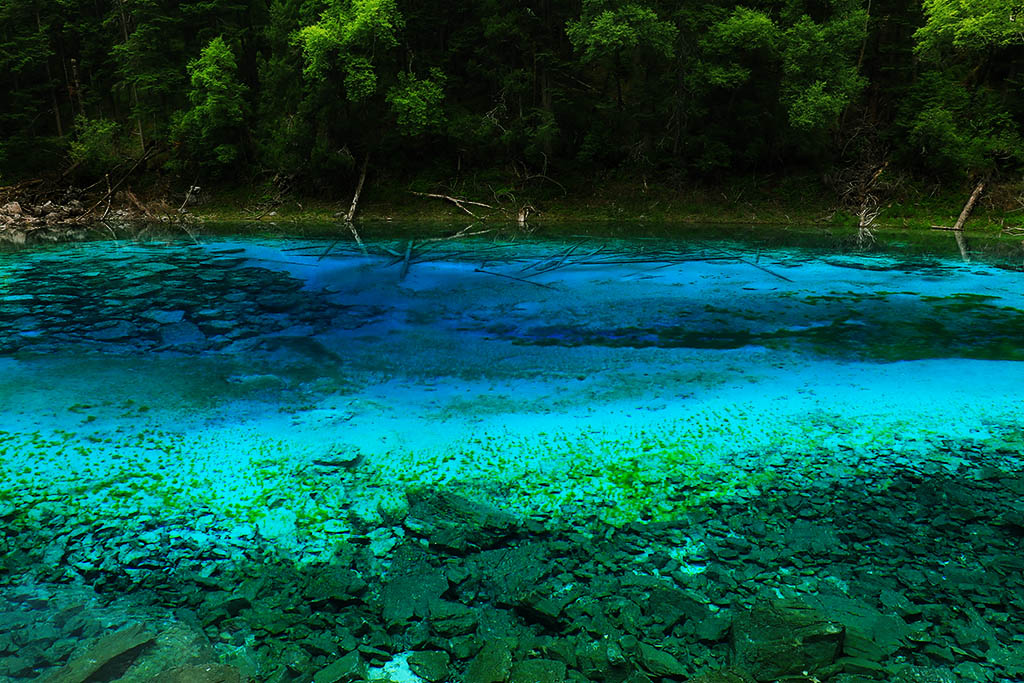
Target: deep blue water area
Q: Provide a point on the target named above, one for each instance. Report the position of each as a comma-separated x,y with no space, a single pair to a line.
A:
271,455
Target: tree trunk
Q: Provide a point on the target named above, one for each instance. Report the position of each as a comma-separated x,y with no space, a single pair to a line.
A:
969,206
49,86
135,92
958,229
350,216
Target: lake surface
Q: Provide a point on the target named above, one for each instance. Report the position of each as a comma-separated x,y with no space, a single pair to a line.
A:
194,433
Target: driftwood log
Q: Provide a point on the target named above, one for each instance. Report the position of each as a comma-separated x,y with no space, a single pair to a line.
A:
958,227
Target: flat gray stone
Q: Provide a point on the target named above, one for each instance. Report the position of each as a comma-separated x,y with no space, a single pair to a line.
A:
164,317
181,334
122,329
456,523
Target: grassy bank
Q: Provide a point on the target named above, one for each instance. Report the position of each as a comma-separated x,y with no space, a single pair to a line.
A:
794,201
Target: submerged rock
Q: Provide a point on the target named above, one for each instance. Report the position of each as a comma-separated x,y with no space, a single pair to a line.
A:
537,671
455,523
348,669
122,329
100,653
491,665
722,676
411,587
430,665
784,639
659,662
181,333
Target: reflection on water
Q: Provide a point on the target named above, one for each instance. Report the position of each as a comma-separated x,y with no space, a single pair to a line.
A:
472,460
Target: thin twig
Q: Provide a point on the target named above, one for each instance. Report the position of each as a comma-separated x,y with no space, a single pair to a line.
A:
512,277
405,261
110,191
758,266
457,201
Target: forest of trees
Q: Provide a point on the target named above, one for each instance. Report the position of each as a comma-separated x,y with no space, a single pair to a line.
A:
254,89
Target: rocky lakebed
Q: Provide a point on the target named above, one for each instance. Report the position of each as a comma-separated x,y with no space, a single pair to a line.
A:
269,460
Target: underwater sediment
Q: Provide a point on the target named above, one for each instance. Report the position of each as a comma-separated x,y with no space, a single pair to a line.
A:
484,462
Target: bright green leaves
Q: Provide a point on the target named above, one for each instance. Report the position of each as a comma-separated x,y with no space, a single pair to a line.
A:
820,71
744,29
216,92
737,44
317,47
352,40
211,129
373,22
622,50
606,32
970,25
346,37
360,79
813,62
959,119
816,106
417,102
94,146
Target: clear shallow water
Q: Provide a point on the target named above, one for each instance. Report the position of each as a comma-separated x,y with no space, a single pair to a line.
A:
282,396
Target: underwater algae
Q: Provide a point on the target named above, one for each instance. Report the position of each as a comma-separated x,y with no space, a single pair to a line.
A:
245,433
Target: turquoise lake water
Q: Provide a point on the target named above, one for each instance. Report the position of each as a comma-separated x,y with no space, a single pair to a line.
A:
285,395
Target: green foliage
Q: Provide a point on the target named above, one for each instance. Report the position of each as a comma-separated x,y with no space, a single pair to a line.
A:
737,45
417,102
955,132
819,65
346,38
959,117
300,88
970,25
211,130
95,146
612,31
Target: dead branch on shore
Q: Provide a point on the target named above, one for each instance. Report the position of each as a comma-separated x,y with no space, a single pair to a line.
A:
17,189
111,190
139,205
457,201
958,227
969,206
351,215
108,197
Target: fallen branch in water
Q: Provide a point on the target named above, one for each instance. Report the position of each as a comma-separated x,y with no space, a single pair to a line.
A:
512,277
405,261
465,232
755,265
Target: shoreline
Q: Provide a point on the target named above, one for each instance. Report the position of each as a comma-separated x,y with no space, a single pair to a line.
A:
608,208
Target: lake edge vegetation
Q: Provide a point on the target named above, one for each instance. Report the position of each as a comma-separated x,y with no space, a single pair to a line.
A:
863,112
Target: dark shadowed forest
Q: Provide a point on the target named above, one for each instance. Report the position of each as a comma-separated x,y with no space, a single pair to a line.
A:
306,93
